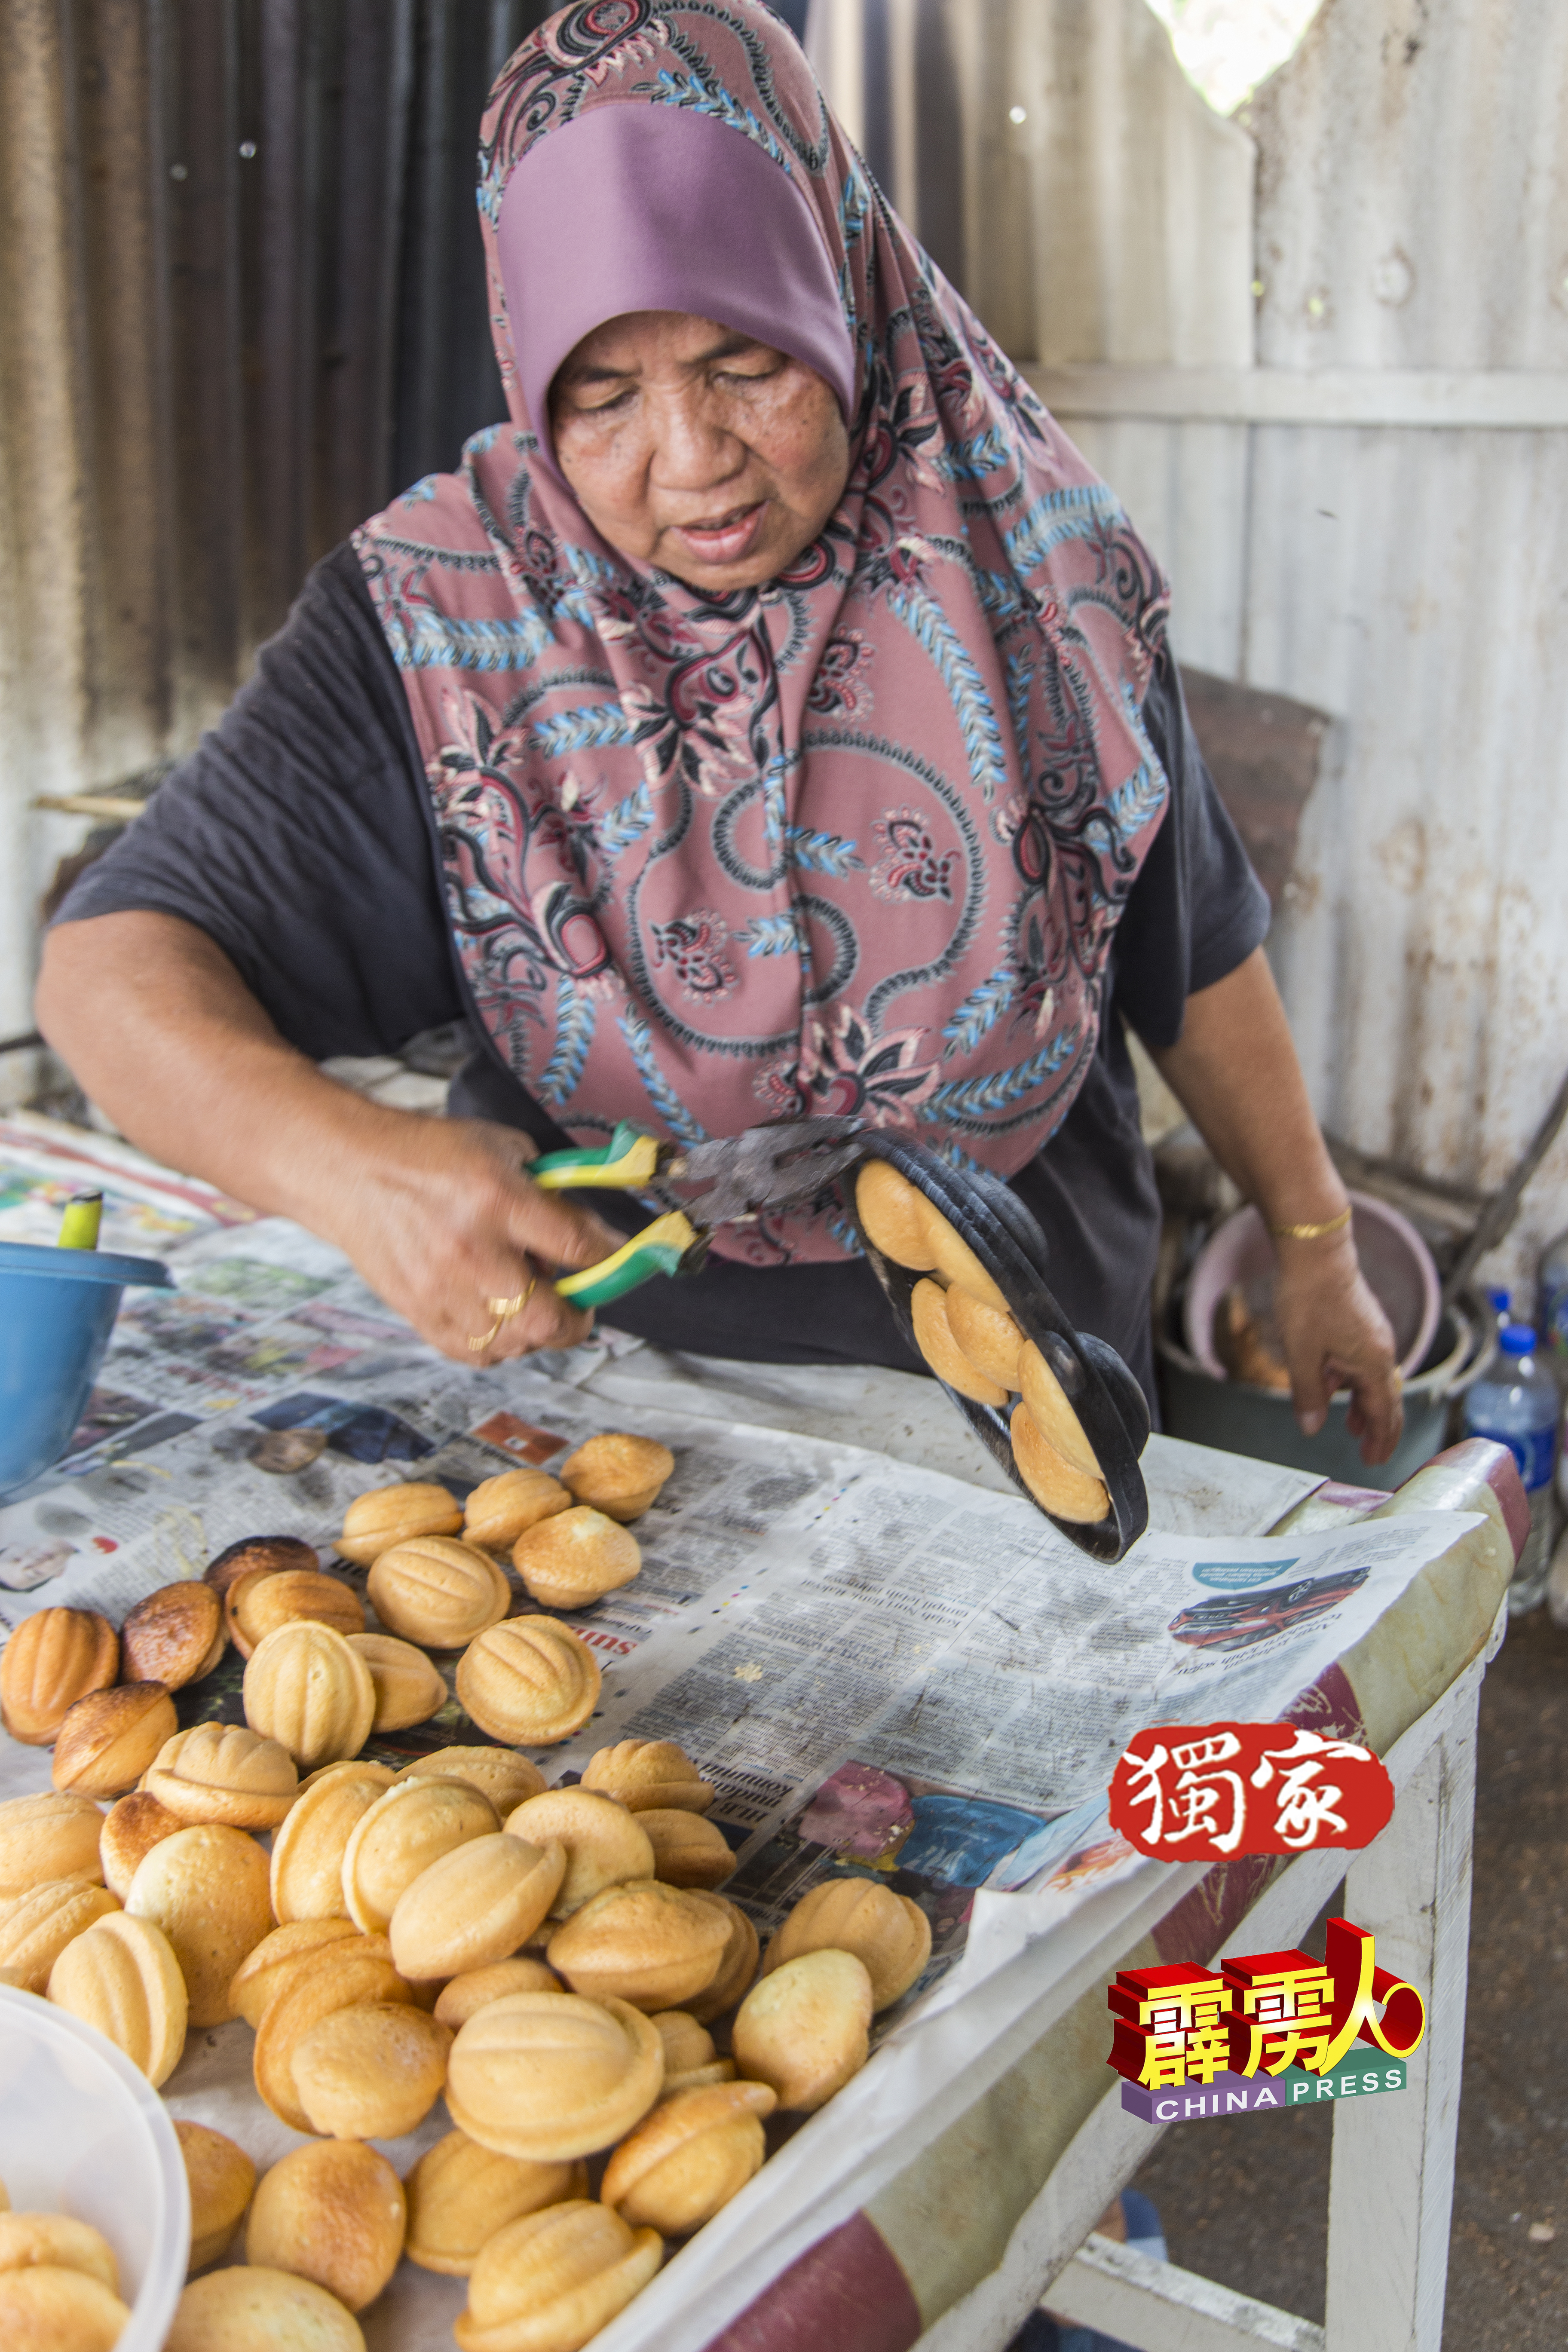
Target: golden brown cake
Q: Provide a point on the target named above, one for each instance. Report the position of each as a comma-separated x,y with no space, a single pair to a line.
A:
283,1955
121,1976
888,1932
53,1835
554,2278
250,2308
44,2308
394,1514
987,1335
132,1826
308,1850
437,1592
333,2213
549,2076
175,1636
223,1772
476,1988
576,1558
206,1889
371,2072
737,1963
690,2060
531,1681
893,1212
272,1553
649,1774
35,1928
1056,1485
952,1261
409,1686
933,1336
339,1980
410,1825
306,1688
499,1508
109,1737
654,1946
687,1850
459,2194
618,1474
474,1906
1053,1416
221,2178
257,1604
54,1658
805,2030
59,2240
604,1845
686,2160
499,1773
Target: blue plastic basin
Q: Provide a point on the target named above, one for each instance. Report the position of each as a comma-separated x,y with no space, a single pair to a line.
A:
57,1310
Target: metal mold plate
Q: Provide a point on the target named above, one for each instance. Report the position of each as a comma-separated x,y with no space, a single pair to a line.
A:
1010,1247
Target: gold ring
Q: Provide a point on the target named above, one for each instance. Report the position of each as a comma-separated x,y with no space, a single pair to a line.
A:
503,1309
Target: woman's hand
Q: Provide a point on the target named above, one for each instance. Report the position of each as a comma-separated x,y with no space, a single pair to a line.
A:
1235,1072
436,1214
1335,1332
442,1221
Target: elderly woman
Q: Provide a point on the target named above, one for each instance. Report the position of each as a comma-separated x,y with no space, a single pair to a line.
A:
776,715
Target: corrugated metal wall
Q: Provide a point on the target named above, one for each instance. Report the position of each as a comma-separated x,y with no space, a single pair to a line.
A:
1058,165
1069,179
1413,214
242,295
1362,500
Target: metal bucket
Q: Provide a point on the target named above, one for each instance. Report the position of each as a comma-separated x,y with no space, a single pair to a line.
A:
1242,1419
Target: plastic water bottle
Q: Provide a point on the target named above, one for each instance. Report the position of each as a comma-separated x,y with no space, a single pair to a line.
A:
1515,1403
1554,1309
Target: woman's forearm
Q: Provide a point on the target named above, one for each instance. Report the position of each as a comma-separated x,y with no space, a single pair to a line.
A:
160,1030
436,1214
1234,1071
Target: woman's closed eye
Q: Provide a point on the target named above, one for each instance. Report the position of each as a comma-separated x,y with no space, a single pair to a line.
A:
607,405
744,377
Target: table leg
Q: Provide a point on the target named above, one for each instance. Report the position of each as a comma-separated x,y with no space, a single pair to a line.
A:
1391,2189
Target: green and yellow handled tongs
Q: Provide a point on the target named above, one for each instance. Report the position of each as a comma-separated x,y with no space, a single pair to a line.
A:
735,1178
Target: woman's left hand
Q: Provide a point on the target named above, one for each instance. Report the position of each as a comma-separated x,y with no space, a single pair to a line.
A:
1335,1332
1234,1071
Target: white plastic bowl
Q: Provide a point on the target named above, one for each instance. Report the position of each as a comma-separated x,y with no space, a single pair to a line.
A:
82,2133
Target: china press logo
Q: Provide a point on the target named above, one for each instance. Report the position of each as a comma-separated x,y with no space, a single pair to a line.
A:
1271,2030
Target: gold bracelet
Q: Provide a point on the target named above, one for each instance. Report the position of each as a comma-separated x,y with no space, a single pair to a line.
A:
1312,1232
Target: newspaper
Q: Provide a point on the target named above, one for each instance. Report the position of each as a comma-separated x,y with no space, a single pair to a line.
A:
884,1669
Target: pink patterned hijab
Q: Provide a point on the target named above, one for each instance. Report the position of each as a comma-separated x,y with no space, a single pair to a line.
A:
856,841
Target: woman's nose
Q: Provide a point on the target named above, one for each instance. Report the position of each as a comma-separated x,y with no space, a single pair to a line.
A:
693,450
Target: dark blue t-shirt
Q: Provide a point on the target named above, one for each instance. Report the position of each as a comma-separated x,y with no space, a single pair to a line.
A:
300,837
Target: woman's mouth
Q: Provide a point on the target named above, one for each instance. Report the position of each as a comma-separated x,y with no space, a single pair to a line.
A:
726,538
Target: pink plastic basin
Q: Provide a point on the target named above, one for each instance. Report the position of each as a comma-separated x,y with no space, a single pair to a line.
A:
1394,1259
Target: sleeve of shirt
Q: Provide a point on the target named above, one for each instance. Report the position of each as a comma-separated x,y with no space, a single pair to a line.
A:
298,838
1196,910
